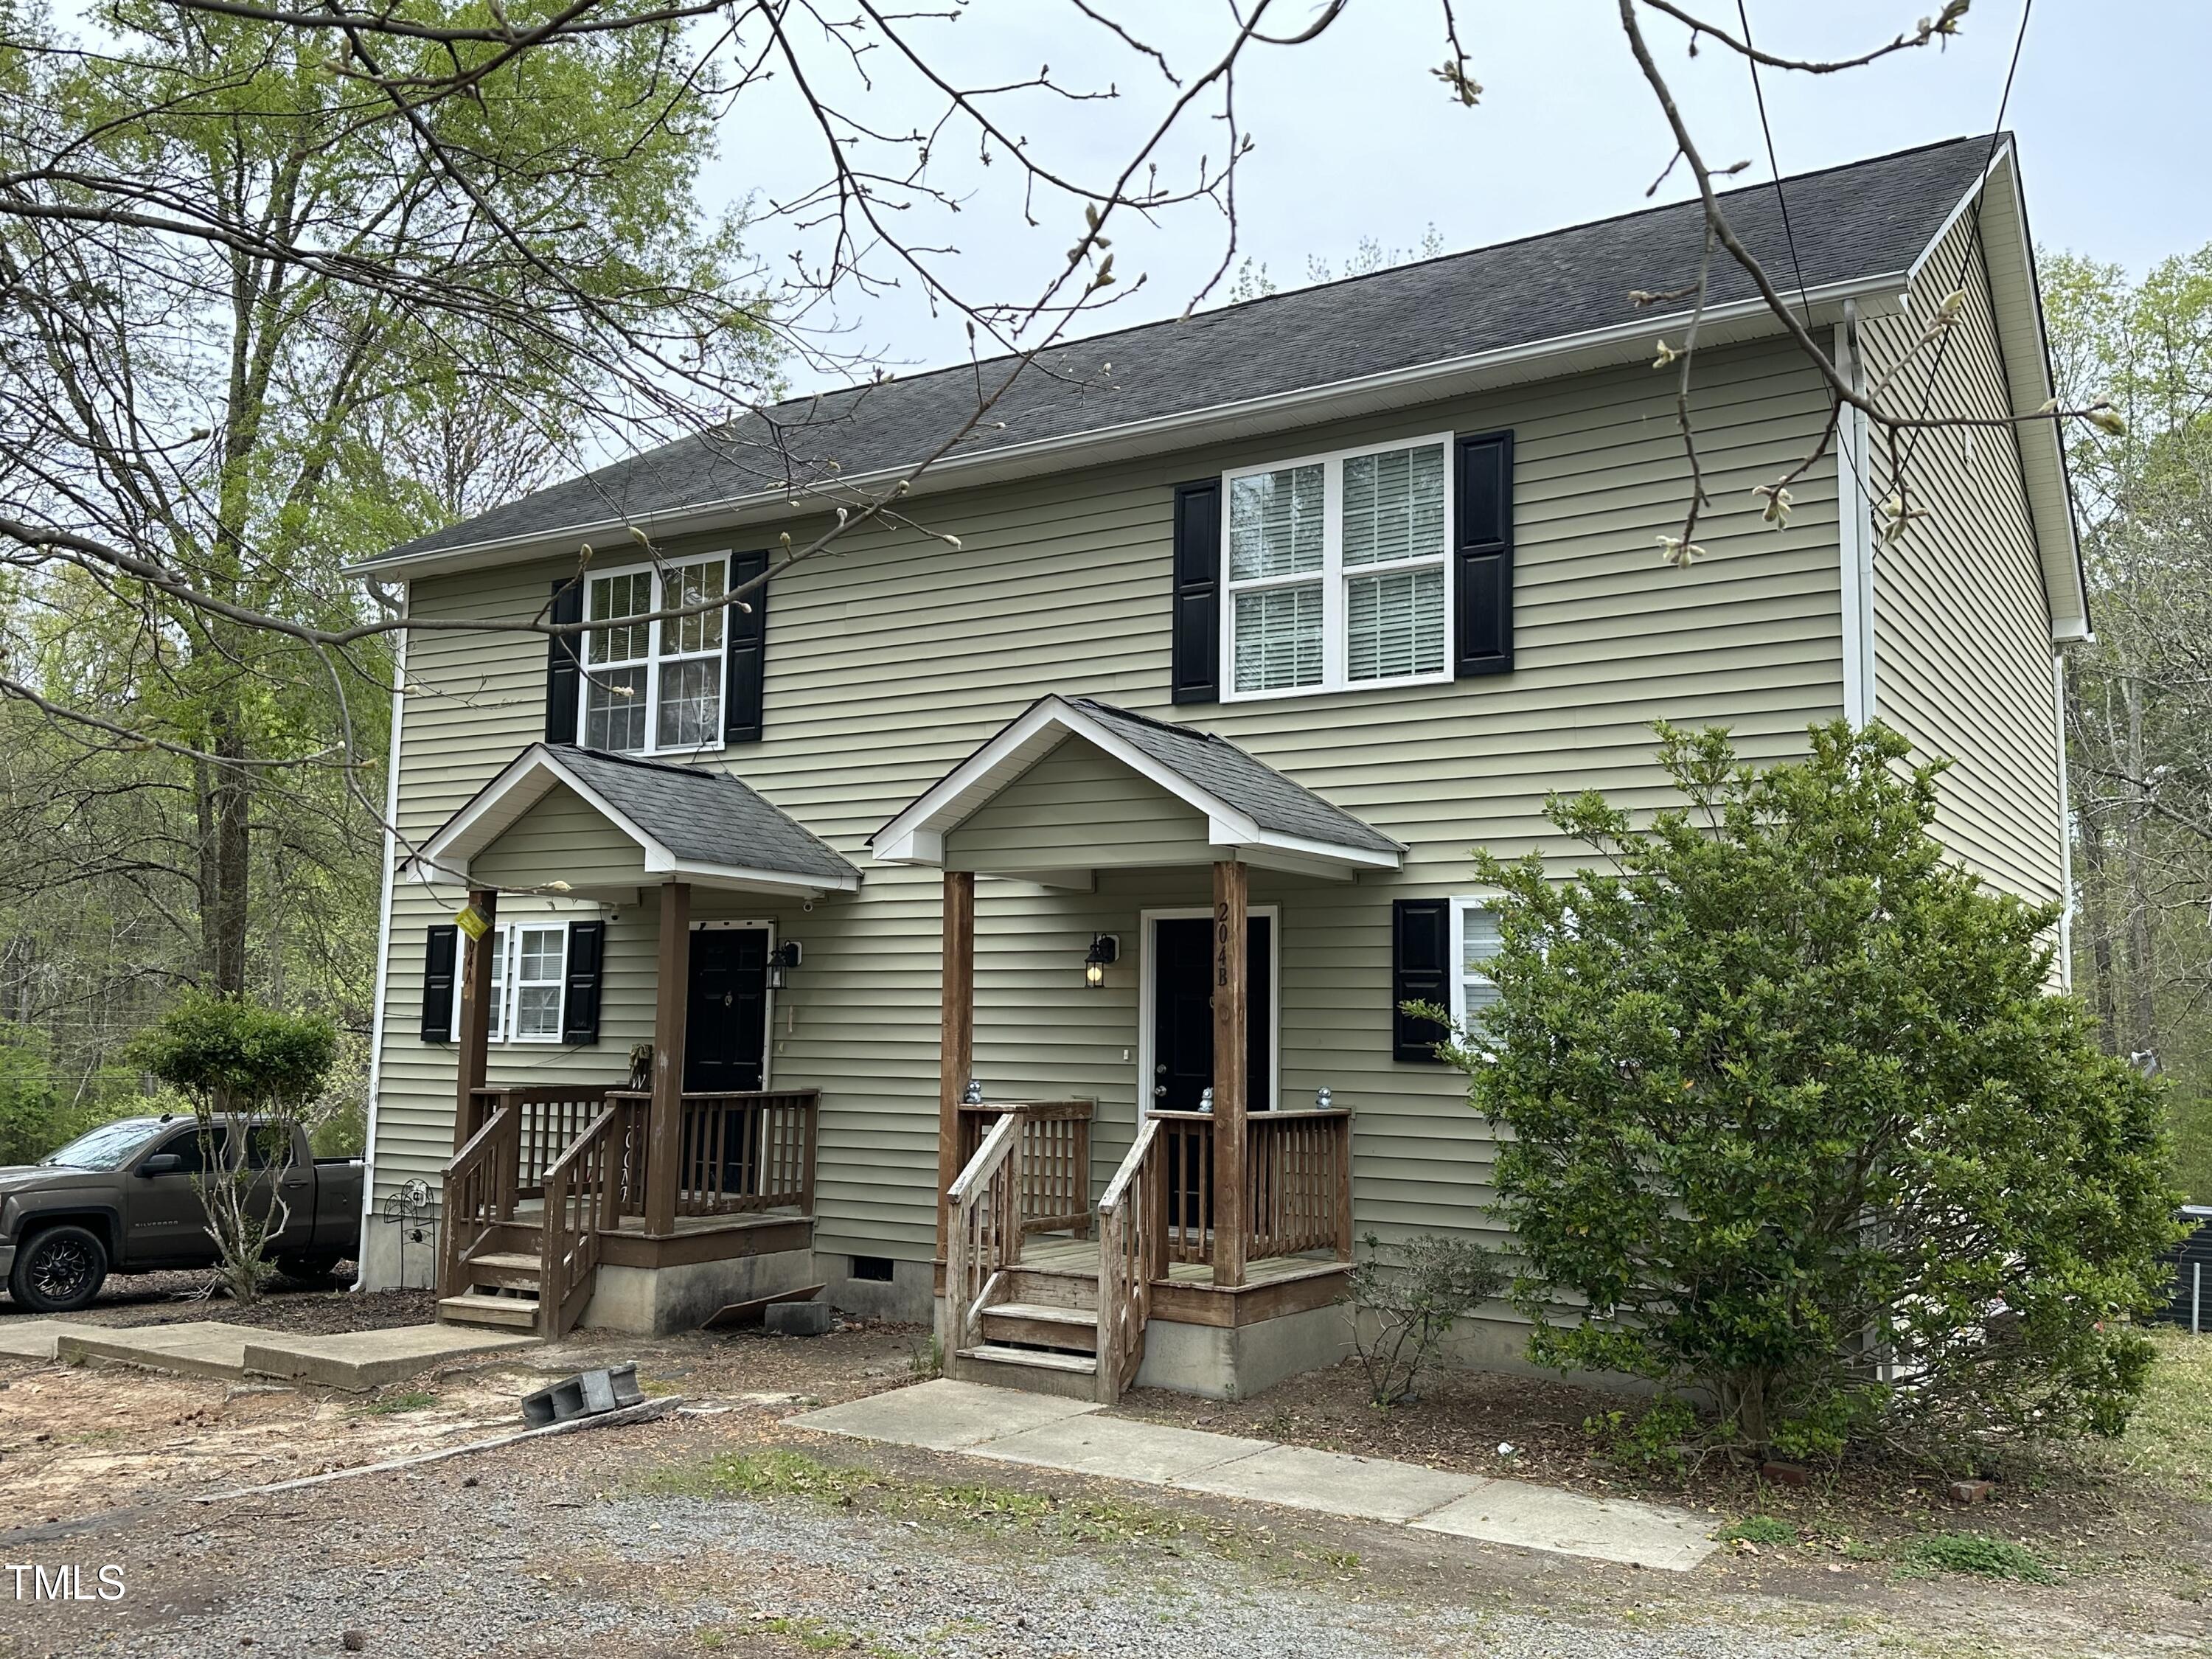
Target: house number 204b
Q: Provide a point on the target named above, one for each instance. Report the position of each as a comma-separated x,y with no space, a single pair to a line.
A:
1221,944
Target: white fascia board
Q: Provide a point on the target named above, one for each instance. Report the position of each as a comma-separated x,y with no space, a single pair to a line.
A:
1568,354
917,835
520,785
659,860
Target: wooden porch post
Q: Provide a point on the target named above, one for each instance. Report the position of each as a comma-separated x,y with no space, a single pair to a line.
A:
956,1033
475,1035
664,1125
1231,960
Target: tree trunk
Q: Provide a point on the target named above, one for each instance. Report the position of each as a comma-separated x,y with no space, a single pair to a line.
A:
2097,915
2142,1015
224,803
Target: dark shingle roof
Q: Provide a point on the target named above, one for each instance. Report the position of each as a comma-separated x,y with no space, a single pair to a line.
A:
1227,773
1868,220
703,817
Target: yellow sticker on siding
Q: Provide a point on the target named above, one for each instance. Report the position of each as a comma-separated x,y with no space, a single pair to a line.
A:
472,922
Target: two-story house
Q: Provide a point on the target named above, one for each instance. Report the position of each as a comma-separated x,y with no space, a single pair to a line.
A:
1009,914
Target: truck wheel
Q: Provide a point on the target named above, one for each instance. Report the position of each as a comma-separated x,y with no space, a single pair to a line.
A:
59,1270
307,1270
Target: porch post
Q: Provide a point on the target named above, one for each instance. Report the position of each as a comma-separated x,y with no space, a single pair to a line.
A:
1231,960
664,1126
475,1035
955,1048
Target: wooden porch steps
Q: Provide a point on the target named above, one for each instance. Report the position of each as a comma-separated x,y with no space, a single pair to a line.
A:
1040,1332
1037,1325
472,1308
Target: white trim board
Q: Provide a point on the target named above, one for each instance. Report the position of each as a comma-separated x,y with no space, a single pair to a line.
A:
917,835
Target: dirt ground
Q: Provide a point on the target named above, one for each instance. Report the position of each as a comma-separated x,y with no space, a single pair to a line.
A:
319,1310
724,1529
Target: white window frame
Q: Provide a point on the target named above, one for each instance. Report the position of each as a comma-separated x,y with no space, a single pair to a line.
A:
507,961
652,661
1460,904
1333,575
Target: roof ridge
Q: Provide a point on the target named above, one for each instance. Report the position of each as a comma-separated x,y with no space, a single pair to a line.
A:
817,397
1120,712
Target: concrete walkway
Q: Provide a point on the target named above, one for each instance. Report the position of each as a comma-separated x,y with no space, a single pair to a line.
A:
357,1360
1045,1432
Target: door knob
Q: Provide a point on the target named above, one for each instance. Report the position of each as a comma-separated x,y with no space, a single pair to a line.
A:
1160,1092
1161,1070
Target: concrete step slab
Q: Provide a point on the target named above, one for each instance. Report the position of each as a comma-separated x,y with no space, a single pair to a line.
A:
1152,1453
942,1415
1335,1483
360,1360
1572,1524
196,1347
34,1339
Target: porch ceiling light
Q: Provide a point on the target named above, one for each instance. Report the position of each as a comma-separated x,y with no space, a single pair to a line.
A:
1105,951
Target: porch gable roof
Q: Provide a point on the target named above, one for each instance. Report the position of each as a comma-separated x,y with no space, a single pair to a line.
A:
1252,812
690,825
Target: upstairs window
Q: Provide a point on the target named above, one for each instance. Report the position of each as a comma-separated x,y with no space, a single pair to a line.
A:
1336,571
650,687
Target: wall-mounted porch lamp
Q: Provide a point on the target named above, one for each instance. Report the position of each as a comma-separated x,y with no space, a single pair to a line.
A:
787,955
1105,952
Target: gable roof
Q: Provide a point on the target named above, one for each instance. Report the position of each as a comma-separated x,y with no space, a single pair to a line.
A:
1858,229
690,823
1251,810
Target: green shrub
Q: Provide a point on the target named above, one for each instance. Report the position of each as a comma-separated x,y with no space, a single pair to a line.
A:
250,1073
1795,1121
1972,1552
1658,1438
1403,1308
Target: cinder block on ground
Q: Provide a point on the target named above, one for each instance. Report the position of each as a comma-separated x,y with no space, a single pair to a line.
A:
798,1318
587,1394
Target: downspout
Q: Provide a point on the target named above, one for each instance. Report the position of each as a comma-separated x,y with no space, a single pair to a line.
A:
2065,826
1854,531
383,946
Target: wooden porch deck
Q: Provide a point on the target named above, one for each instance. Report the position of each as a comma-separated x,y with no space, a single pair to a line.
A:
1053,1253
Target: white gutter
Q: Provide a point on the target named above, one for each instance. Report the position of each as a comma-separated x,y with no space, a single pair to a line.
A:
383,953
1423,382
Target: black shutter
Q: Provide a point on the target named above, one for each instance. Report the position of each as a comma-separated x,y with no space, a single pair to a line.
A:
580,1017
1420,949
742,711
563,677
1484,626
440,950
1197,644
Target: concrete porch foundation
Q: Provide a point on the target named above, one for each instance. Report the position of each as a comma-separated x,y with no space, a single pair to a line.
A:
663,1301
1234,1361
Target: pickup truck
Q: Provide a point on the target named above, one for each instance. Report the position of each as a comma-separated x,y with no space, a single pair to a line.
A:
121,1198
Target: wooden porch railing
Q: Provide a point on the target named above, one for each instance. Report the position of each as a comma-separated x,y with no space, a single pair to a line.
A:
581,1188
735,1153
984,1232
478,1193
1186,1183
1130,1215
1055,1160
1298,1184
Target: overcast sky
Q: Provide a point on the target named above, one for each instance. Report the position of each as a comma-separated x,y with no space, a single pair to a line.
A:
1354,137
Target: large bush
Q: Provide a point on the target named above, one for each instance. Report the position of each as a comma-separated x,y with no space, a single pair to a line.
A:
251,1073
1795,1119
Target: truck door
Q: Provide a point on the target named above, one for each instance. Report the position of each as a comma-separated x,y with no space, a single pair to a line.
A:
166,1223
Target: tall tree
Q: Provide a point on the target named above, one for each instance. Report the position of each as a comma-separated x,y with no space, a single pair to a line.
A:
2140,718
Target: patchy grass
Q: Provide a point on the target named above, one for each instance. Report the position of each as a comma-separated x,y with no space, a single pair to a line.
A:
2169,1439
989,1509
1758,1529
414,1400
1973,1552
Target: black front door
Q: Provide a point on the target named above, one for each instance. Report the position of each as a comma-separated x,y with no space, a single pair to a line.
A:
1182,1012
725,1023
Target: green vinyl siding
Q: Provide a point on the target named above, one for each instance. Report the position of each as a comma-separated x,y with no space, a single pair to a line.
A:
890,661
562,837
1962,627
1079,808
